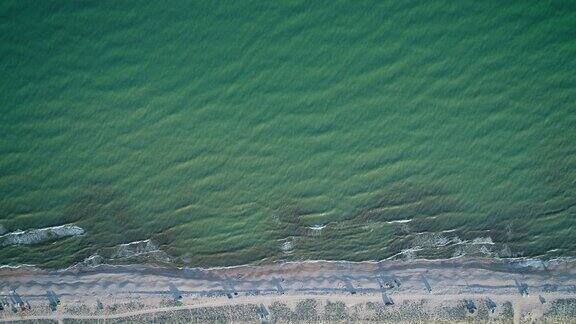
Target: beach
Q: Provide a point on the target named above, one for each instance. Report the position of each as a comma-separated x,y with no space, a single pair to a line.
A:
232,133
320,291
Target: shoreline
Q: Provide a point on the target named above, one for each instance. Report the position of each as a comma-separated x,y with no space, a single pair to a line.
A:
473,289
80,267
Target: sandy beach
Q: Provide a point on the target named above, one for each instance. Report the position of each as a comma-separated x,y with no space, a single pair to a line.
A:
389,291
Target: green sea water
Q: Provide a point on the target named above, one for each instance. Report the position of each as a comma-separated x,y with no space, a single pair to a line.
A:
225,130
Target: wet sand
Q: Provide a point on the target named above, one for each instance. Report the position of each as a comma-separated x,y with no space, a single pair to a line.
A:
389,291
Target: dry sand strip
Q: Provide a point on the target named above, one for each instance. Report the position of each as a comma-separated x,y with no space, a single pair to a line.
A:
389,291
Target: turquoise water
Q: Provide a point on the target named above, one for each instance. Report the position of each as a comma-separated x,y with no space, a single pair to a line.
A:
223,130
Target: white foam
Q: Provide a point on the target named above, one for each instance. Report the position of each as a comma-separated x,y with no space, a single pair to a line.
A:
286,247
399,221
482,240
35,236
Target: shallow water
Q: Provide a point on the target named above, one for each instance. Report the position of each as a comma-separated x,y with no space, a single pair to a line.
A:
224,130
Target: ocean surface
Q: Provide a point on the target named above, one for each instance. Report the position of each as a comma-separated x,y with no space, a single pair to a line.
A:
233,132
